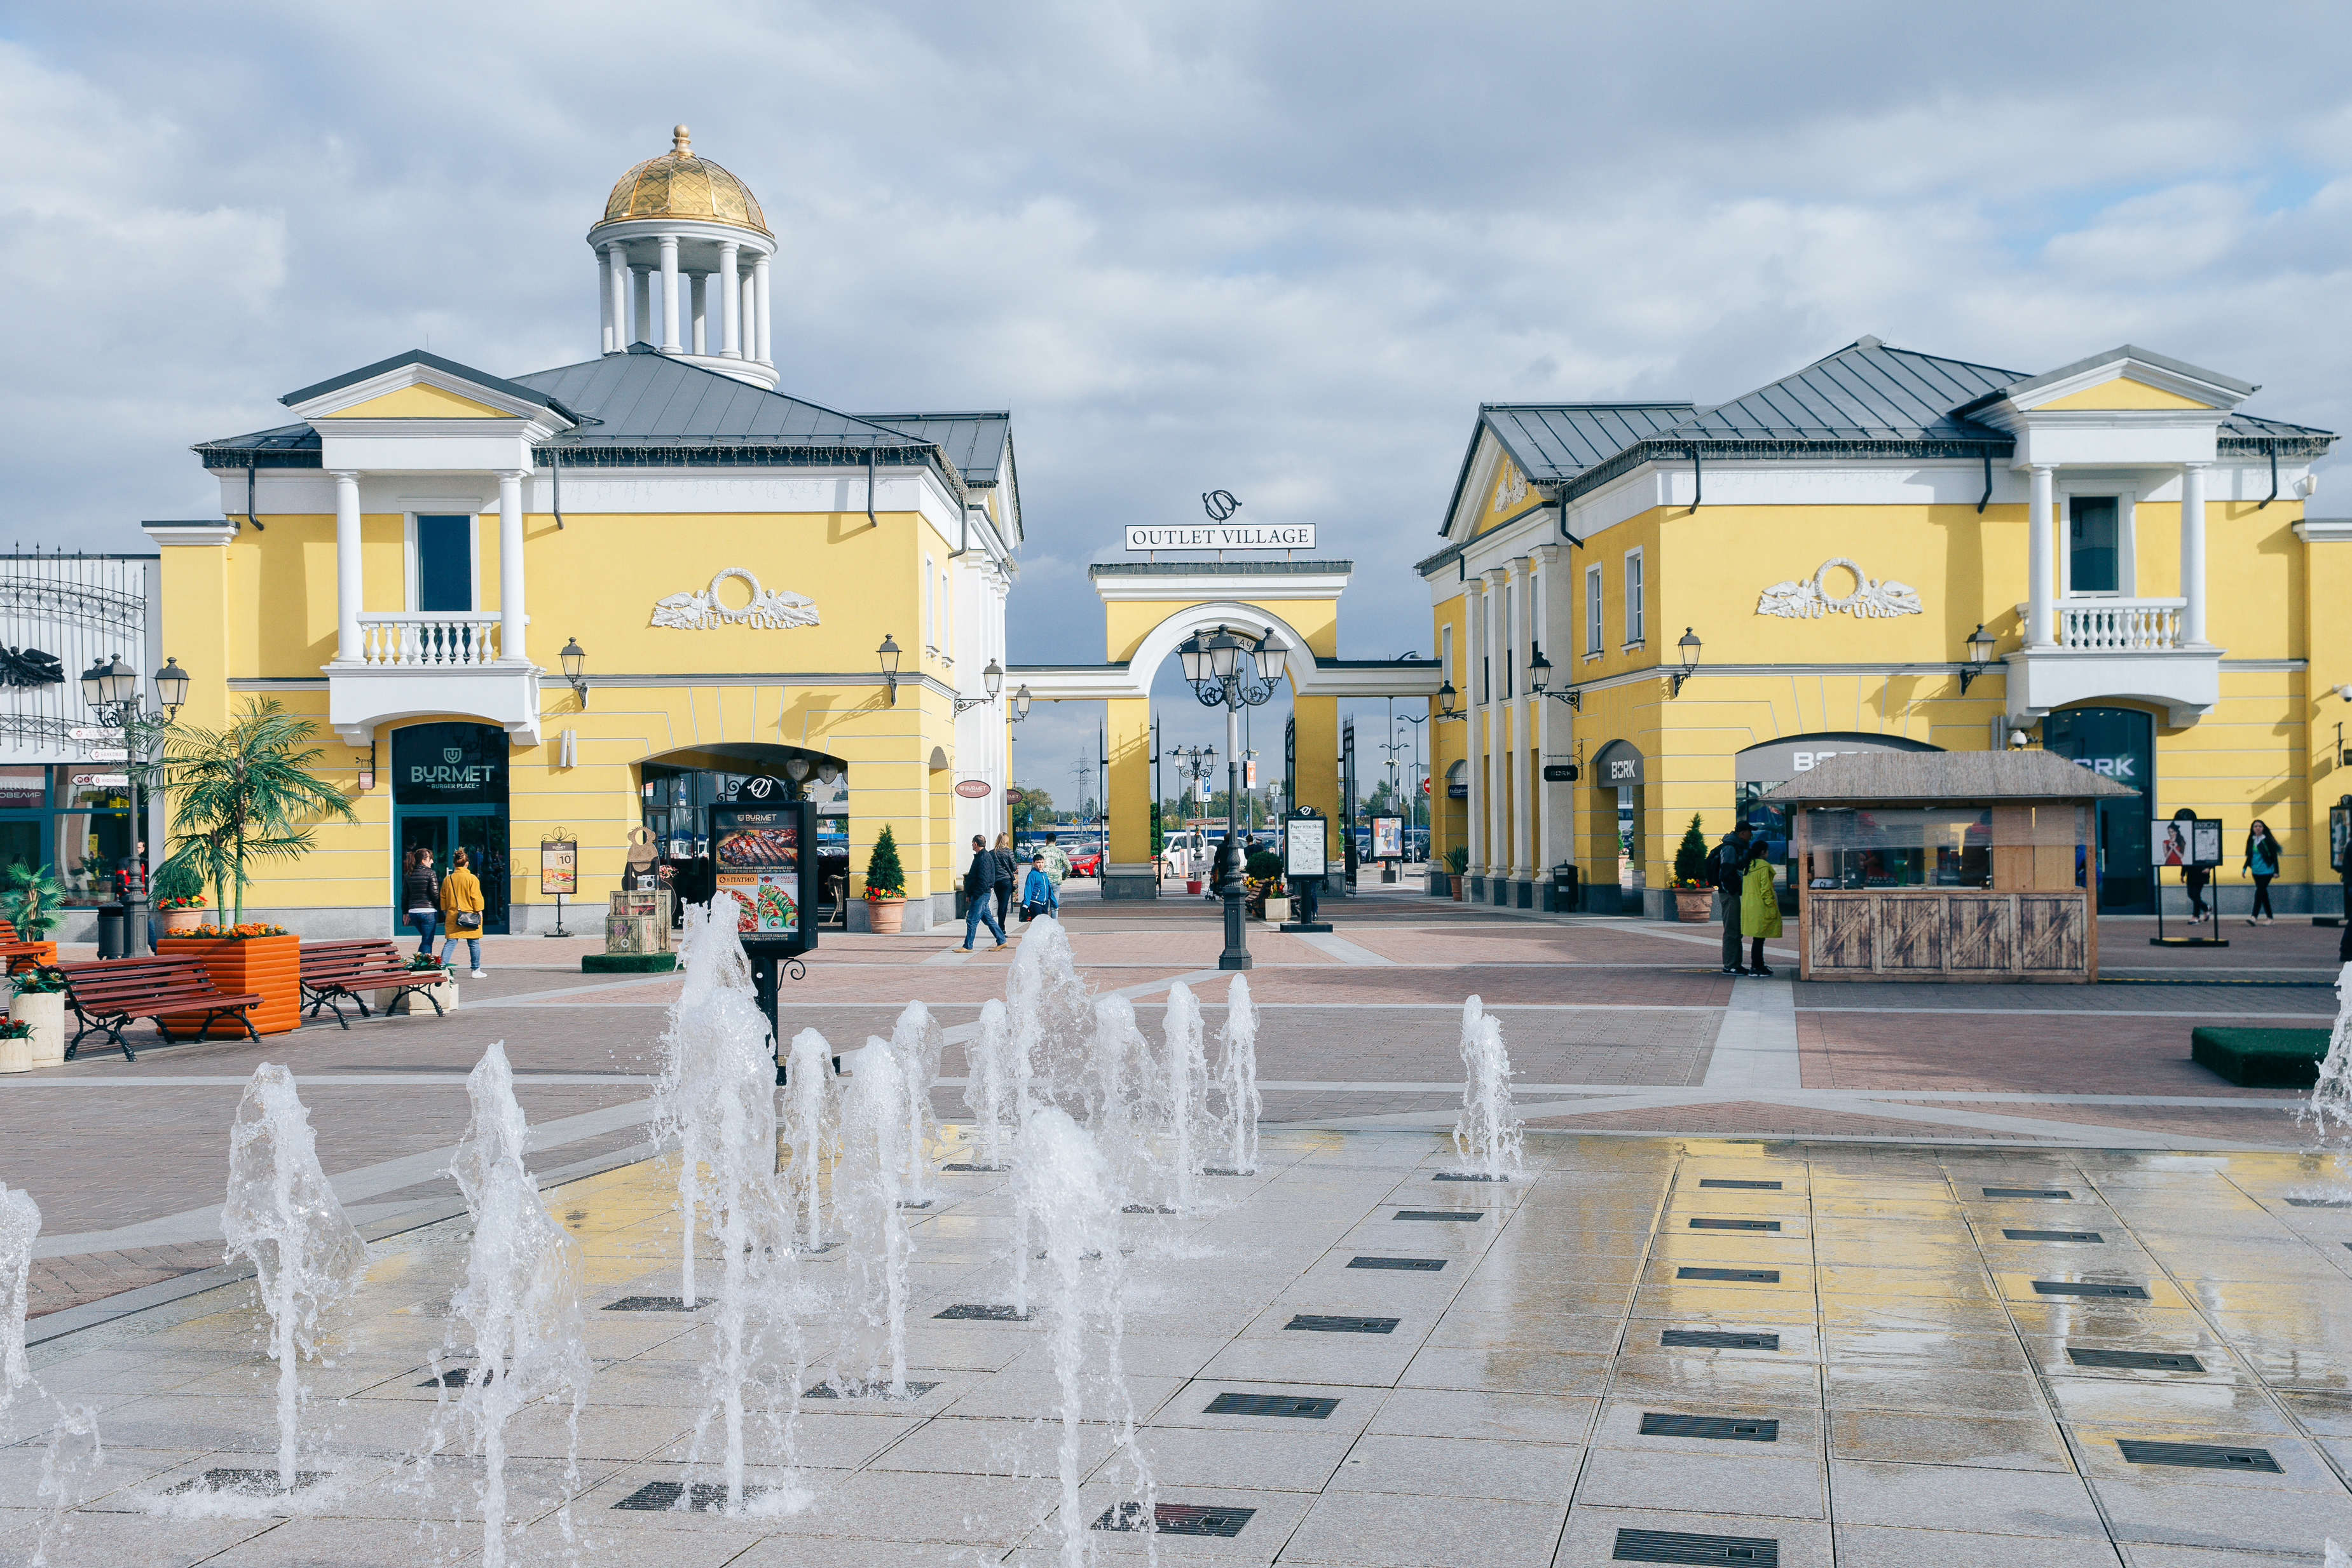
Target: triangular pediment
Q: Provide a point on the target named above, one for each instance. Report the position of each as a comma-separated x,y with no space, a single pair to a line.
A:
421,400
423,385
2125,380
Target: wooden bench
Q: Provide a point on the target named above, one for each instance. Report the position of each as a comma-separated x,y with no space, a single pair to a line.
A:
336,972
106,994
24,955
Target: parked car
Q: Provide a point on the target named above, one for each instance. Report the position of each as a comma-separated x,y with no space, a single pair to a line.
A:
1085,862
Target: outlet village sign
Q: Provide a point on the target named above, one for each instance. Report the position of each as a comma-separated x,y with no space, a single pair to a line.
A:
1224,535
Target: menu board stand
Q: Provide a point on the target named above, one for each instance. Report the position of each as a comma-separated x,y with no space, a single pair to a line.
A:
1306,837
2189,841
764,858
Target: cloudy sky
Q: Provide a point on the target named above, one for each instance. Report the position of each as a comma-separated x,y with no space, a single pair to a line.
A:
1282,248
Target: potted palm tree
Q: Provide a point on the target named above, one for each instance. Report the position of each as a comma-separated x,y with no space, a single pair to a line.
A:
1457,866
31,899
886,886
240,795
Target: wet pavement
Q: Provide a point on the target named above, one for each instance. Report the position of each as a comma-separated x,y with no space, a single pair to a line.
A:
1872,1354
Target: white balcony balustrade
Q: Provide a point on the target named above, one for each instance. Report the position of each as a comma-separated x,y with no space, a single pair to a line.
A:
417,640
2120,625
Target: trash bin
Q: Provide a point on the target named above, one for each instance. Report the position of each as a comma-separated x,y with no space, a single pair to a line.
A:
114,940
1563,886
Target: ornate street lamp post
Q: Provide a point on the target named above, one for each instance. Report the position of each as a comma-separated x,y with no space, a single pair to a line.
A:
111,689
1232,672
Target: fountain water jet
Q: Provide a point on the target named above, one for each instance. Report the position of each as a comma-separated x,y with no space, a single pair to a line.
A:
869,1185
915,1045
282,1215
2329,1109
1051,1015
1237,1076
691,1089
988,1082
1067,1185
1486,1133
1119,1099
520,1297
812,1129
1184,1107
20,1226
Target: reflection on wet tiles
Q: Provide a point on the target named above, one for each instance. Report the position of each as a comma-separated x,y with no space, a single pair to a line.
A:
1976,1441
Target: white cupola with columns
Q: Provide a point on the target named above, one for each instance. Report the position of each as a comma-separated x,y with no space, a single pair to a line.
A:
682,252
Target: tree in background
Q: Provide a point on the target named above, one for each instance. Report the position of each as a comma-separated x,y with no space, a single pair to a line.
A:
243,794
1033,809
885,877
1690,857
1157,838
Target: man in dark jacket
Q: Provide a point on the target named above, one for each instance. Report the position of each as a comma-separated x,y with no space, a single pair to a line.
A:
1727,864
980,893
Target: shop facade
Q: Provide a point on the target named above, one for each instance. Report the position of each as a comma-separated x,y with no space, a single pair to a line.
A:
1681,608
583,605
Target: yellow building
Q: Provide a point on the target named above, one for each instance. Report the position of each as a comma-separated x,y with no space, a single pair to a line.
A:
752,585
1672,608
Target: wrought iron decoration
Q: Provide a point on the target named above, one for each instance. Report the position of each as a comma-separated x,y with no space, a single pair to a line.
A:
29,667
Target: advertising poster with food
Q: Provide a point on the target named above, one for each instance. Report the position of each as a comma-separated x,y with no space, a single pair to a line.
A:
758,859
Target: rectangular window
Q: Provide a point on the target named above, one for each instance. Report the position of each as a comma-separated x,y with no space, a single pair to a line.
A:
2094,543
1633,596
1592,609
445,563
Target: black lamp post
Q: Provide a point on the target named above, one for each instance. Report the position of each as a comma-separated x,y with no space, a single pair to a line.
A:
1232,672
1687,645
1021,702
992,678
575,669
888,654
1980,645
111,689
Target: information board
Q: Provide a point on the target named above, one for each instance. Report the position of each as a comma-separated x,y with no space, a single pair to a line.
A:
1388,838
1304,843
558,867
756,853
2186,841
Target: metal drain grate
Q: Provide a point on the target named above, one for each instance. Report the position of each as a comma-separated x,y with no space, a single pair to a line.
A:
1732,1428
1466,1175
1718,1339
2152,1360
1440,1214
1306,1407
245,1483
1728,1181
2057,1192
961,1165
457,1377
2321,1202
2070,1288
2054,1236
1415,1265
1755,1276
1674,1546
980,1312
1147,1208
1315,1323
1735,1225
865,1391
659,1304
2197,1456
911,1203
1178,1519
1224,1170
705,1496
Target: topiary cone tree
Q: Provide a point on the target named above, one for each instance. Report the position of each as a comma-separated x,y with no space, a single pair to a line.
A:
1690,856
884,878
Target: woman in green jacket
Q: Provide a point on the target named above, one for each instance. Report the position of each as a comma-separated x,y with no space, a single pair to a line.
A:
1759,908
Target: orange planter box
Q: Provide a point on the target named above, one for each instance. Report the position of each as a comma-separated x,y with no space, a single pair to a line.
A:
267,966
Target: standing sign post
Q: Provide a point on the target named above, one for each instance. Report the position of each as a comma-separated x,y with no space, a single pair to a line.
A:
1388,845
1306,841
558,872
763,850
2194,844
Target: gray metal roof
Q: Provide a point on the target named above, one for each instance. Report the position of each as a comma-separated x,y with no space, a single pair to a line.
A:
1891,777
1864,391
644,398
1552,441
978,444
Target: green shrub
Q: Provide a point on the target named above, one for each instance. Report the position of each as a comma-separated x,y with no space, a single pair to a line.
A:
1690,857
885,877
1264,865
1457,860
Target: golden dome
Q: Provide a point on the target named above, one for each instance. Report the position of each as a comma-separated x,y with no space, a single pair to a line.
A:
677,185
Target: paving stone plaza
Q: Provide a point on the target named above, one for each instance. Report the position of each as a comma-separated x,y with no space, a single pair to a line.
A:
1792,1273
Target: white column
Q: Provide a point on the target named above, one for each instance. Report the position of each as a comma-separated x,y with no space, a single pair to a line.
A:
511,596
348,582
1473,726
1497,659
2192,553
668,243
1546,558
701,311
644,326
605,299
616,287
759,294
731,302
1522,748
2040,545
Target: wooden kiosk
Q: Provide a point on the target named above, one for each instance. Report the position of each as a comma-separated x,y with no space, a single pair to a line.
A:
1946,865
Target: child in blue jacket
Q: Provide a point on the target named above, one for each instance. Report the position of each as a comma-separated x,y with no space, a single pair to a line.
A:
1037,891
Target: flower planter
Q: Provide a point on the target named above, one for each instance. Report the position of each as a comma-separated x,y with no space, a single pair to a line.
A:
1277,910
885,916
1692,905
16,1056
268,966
1193,884
1461,884
407,1002
174,921
46,1011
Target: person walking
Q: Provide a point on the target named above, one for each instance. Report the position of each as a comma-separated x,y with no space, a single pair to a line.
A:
1727,865
1057,865
980,893
421,896
1037,894
2263,857
2193,879
1011,878
1759,908
461,910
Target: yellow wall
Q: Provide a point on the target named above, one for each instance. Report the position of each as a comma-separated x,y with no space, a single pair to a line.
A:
419,402
2122,392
